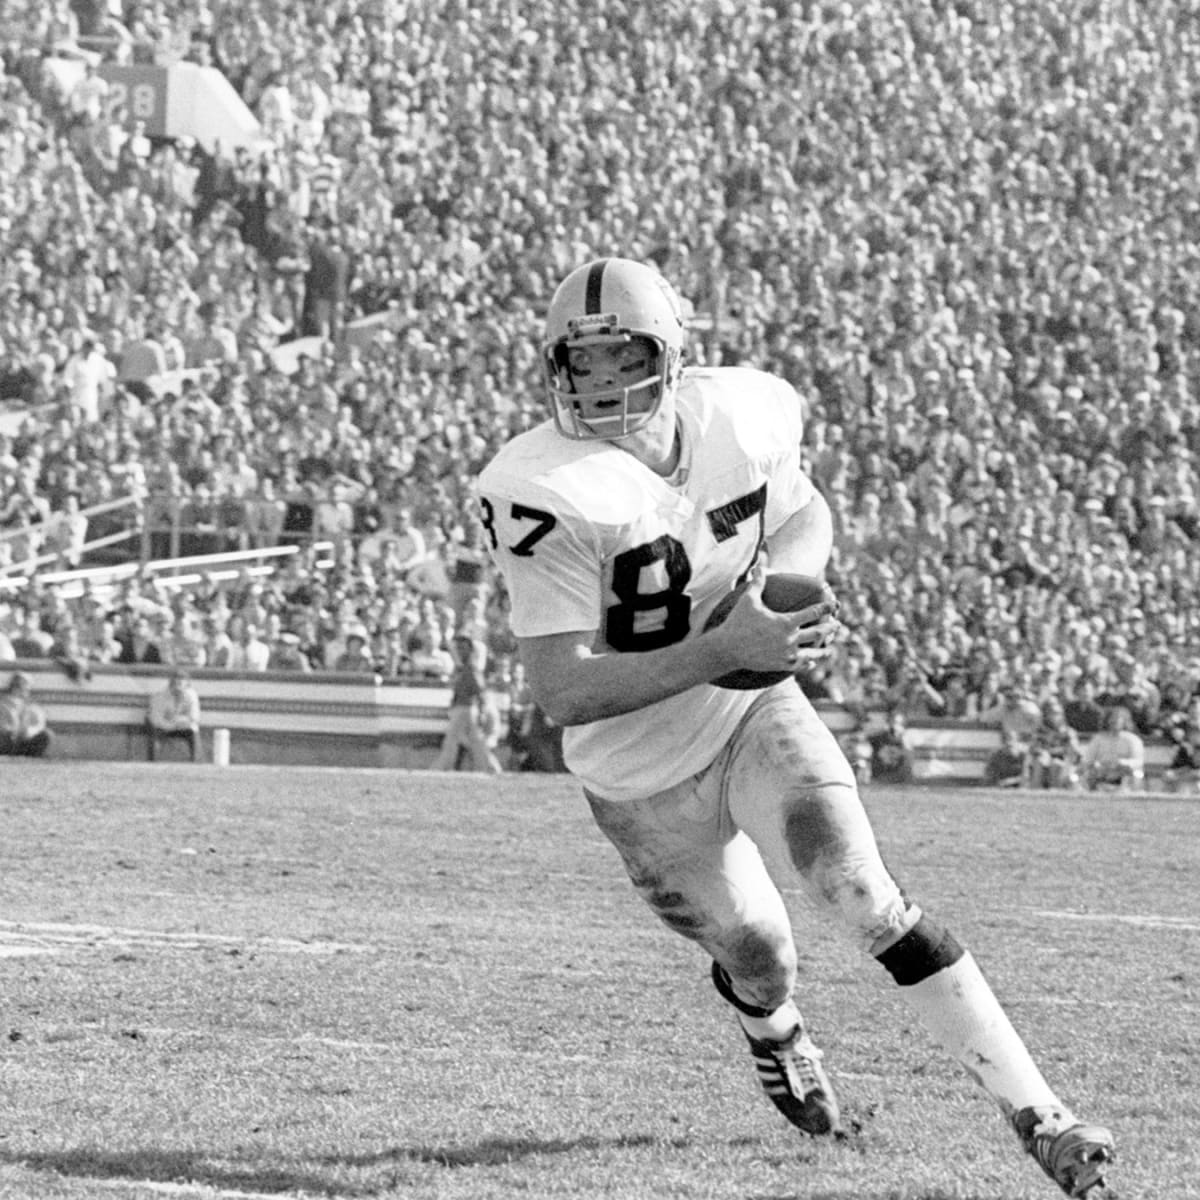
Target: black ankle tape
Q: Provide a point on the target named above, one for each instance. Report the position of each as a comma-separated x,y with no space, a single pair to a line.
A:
923,951
724,985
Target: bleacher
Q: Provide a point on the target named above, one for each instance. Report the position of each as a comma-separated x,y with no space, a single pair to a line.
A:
997,349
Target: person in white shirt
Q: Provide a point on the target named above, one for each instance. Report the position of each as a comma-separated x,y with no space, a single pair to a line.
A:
89,376
397,544
24,730
174,713
1116,756
87,98
67,532
249,652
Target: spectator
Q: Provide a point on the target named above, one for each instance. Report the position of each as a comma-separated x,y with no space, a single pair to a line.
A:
892,757
542,742
98,637
355,657
139,645
473,729
426,649
286,654
1176,728
1114,757
25,513
264,515
199,519
326,286
517,705
1082,711
1016,713
1130,688
182,642
1183,771
31,640
312,640
915,694
248,651
396,545
1179,705
88,95
859,752
24,729
1054,751
428,576
333,515
1007,765
174,714
89,377
215,344
69,653
66,533
467,562
218,645
142,359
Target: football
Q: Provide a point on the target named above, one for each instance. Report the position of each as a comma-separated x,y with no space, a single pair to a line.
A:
783,592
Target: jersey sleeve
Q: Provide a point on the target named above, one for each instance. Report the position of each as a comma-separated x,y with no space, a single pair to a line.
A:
552,572
791,489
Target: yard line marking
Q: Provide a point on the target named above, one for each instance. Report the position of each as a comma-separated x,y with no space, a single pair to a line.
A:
21,945
1148,921
50,936
190,1189
234,1034
1087,1002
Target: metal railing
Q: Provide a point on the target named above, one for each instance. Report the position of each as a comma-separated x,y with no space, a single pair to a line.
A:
173,568
16,573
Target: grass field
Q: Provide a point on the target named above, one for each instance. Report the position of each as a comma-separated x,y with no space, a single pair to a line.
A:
266,982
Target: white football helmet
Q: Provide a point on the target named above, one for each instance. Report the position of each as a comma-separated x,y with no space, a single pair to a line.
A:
612,302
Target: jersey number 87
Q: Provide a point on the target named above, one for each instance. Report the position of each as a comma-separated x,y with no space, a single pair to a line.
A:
622,629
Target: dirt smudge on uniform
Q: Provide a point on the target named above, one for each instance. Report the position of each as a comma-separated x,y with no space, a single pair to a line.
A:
811,832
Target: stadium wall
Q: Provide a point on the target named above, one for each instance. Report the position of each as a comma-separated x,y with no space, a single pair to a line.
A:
330,719
273,718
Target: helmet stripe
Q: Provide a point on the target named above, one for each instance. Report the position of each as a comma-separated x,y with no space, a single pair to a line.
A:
591,303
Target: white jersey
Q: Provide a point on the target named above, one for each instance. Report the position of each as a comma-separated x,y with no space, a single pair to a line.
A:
589,539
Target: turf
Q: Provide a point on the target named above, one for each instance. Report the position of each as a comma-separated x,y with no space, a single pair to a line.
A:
270,982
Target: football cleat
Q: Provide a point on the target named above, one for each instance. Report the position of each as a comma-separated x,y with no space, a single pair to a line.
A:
1074,1155
791,1074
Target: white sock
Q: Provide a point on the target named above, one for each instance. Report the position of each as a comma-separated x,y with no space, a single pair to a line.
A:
962,1013
775,1027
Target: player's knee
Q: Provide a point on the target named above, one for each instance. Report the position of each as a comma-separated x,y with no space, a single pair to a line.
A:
758,970
866,900
832,846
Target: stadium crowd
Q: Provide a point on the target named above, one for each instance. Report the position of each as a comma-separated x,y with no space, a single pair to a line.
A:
968,233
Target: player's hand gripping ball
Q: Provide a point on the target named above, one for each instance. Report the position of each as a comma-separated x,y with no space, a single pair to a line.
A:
783,592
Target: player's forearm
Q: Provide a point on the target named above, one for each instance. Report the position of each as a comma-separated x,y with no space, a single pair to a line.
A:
607,684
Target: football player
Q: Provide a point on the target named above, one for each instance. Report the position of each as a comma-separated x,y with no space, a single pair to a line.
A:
618,526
